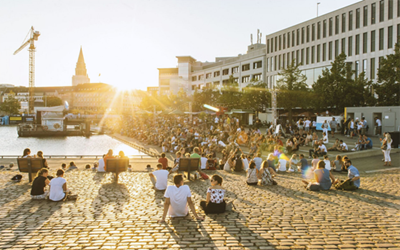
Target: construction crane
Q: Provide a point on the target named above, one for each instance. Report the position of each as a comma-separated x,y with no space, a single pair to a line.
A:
32,37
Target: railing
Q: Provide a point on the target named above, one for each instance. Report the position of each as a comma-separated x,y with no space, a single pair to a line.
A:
76,156
148,152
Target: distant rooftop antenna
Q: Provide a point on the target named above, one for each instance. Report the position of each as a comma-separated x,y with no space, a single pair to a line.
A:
251,39
258,35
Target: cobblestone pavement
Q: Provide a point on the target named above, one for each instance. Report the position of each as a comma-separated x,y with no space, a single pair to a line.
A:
124,215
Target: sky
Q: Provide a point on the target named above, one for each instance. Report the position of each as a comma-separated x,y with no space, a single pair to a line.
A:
125,41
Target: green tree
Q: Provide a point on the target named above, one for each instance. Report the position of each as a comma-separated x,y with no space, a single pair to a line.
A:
291,88
388,87
255,96
10,105
53,101
336,88
230,94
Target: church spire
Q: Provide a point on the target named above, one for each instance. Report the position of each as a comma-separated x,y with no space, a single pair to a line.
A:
80,69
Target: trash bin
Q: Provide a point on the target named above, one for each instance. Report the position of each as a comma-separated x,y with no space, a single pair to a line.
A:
395,139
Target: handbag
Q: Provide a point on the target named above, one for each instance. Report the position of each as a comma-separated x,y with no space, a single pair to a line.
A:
384,146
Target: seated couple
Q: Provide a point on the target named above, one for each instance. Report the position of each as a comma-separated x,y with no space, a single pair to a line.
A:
57,187
264,175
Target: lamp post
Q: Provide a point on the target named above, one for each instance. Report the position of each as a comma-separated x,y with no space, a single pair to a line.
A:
317,7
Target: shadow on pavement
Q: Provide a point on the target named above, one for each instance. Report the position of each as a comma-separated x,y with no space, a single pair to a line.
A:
113,195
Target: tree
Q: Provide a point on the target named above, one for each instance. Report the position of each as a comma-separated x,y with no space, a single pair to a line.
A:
255,96
388,87
230,94
53,101
11,105
336,88
291,88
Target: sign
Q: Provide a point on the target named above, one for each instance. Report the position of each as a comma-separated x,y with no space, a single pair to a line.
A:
321,120
18,118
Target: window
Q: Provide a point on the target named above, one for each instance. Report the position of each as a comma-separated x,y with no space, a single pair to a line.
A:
279,62
330,26
330,51
217,73
280,42
381,11
336,48
235,69
297,57
194,78
365,16
357,44
312,54
283,61
307,55
308,34
324,28
302,35
336,25
298,37
373,13
293,41
350,20
208,75
302,57
272,45
288,39
357,18
201,77
398,8
380,61
343,22
245,79
267,64
257,77
364,66
373,36
284,41
245,67
390,37
319,30
372,69
225,72
324,52
381,34
318,53
357,68
398,32
274,63
313,32
293,59
350,46
276,44
288,59
267,46
390,9
257,65
343,45
365,42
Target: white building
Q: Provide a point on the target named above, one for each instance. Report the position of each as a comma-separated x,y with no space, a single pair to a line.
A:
192,74
366,31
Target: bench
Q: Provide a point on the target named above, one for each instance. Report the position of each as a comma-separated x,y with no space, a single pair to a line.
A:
189,165
30,165
117,166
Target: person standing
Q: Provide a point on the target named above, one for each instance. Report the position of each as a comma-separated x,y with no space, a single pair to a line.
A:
378,125
307,123
334,126
325,127
386,147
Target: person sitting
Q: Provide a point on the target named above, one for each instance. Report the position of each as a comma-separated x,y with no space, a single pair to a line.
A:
40,155
322,177
314,162
252,174
308,138
214,203
321,150
238,164
335,146
293,163
159,178
72,166
87,167
27,153
64,166
359,144
289,145
258,160
338,165
178,197
245,162
121,155
265,176
281,166
325,139
109,155
367,142
271,163
100,166
58,187
39,184
327,163
353,176
163,160
343,146
203,161
211,163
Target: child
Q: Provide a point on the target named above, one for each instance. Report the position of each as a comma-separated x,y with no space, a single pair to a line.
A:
327,163
129,168
314,162
64,166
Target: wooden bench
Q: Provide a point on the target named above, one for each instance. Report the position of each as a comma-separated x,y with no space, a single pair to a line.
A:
189,165
30,165
117,166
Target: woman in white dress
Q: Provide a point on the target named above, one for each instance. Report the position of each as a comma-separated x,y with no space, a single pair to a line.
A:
387,142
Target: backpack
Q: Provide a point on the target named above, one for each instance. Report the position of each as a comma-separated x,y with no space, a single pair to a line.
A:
345,185
313,187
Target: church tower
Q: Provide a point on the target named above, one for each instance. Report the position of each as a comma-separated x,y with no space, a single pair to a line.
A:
80,71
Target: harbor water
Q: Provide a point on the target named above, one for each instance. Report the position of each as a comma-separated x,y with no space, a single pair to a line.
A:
11,144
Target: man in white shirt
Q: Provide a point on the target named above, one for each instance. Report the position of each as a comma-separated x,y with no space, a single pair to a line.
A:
307,125
203,161
378,124
216,120
178,198
159,178
343,146
322,149
258,160
100,168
